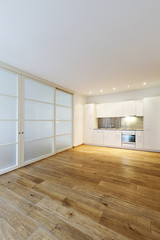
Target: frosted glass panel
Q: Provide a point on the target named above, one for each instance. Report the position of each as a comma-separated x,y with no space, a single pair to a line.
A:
38,111
8,132
63,127
63,142
8,108
63,98
38,129
38,91
8,156
63,113
38,148
8,83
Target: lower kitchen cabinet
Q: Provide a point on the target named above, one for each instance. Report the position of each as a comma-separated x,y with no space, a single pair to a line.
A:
117,138
88,137
112,138
98,137
139,140
108,138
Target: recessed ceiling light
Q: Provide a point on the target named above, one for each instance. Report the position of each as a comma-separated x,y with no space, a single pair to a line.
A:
144,83
90,92
128,86
114,88
101,90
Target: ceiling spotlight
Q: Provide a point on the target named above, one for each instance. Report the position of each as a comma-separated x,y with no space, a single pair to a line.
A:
90,92
144,83
128,86
101,90
114,88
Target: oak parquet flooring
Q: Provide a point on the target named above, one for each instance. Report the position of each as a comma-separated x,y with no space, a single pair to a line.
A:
85,193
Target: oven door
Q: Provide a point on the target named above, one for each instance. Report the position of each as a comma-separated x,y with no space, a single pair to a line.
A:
128,140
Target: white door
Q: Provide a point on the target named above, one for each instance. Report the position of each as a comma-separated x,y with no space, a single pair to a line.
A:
9,137
63,120
38,124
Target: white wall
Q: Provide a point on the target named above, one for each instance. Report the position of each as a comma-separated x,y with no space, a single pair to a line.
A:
125,96
79,102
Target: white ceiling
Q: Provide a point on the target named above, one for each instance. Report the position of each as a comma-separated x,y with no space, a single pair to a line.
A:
84,45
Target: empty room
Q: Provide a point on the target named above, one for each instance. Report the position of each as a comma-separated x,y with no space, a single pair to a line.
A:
79,119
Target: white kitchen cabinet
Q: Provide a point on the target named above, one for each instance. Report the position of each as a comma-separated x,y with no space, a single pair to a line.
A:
89,122
110,110
98,137
119,109
139,140
117,138
108,138
101,110
90,110
129,108
88,137
139,107
152,123
112,138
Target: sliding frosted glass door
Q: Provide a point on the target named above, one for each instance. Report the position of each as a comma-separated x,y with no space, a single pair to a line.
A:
8,120
63,120
38,120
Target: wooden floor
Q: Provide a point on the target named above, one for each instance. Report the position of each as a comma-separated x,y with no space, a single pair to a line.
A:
82,194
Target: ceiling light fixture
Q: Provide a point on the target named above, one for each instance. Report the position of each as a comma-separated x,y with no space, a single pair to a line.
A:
114,88
144,83
90,92
101,90
128,86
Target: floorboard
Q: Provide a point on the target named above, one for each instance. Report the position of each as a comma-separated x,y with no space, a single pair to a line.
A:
85,193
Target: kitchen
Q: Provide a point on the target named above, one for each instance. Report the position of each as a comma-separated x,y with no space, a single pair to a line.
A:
124,124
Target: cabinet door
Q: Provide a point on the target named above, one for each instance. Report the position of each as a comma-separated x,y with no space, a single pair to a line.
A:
109,138
90,110
117,138
139,139
111,110
98,137
129,108
119,109
100,110
88,137
152,123
139,108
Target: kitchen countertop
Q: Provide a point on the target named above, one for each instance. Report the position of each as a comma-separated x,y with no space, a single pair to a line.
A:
117,129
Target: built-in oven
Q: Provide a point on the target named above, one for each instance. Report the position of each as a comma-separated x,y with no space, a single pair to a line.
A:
129,139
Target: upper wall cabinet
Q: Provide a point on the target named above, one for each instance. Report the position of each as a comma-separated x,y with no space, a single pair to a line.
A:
111,109
139,107
101,110
89,110
129,108
119,109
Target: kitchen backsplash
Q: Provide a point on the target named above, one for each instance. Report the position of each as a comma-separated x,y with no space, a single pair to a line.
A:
127,123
